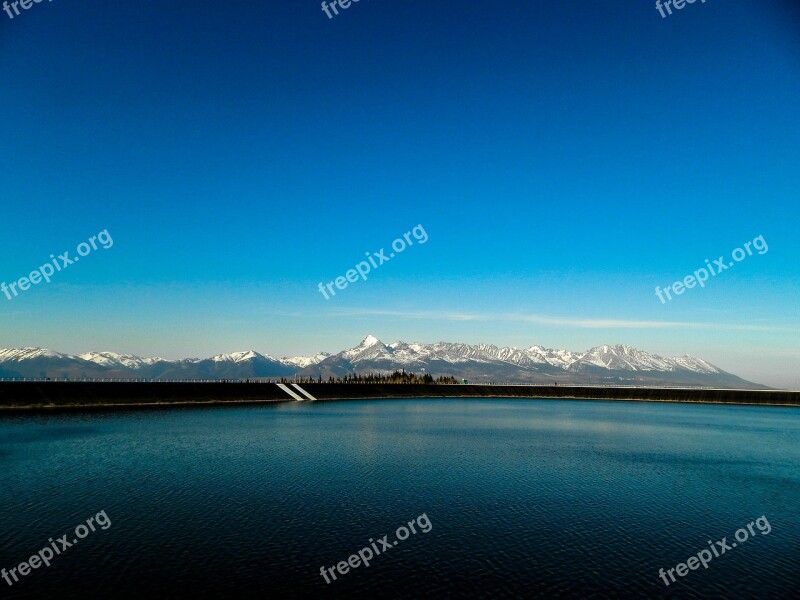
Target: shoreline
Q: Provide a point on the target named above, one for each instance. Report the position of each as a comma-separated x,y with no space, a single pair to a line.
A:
48,396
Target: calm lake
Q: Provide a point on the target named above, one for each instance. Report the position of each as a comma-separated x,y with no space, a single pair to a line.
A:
524,498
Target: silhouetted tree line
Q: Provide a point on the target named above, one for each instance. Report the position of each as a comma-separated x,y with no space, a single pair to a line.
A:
396,377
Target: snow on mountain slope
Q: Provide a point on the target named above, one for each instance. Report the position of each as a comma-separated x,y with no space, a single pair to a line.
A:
624,357
305,361
236,356
17,354
695,364
112,359
555,358
621,357
372,353
617,357
371,348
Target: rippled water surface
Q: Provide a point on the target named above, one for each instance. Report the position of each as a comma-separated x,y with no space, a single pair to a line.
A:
526,498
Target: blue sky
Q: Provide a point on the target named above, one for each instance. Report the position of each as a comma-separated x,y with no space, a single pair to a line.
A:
563,158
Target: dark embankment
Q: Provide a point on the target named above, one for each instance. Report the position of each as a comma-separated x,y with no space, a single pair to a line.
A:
16,395
349,391
49,395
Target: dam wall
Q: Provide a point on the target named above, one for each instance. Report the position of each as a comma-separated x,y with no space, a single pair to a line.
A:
54,395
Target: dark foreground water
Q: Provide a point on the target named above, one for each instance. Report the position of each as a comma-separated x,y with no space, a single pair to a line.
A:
522,498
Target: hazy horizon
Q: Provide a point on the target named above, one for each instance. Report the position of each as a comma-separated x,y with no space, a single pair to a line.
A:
357,339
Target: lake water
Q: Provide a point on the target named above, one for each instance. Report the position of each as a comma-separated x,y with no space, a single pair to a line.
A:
524,498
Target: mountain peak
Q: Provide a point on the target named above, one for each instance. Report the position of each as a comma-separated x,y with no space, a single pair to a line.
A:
370,340
369,348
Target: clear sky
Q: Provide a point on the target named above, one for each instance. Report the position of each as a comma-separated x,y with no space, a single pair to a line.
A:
564,159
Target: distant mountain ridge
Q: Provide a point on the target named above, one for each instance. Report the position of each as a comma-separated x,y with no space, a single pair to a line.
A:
480,363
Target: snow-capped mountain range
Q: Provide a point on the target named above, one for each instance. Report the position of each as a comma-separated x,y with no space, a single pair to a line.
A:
608,357
605,364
